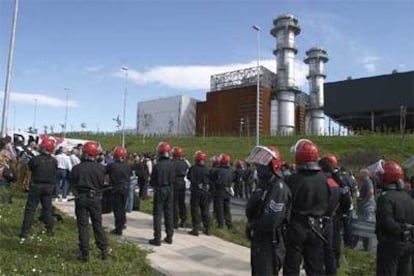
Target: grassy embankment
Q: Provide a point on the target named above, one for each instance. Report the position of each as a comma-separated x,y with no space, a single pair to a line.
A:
43,255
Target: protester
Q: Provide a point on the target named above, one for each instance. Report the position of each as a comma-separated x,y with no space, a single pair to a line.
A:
62,175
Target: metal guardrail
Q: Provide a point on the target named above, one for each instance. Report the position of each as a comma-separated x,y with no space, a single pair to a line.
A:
363,228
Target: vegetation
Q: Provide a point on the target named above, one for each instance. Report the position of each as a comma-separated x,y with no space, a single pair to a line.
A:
57,255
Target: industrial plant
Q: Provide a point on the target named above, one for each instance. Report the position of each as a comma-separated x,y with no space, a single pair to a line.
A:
237,106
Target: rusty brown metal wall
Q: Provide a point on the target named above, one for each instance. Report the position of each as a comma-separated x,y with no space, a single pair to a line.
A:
221,113
300,118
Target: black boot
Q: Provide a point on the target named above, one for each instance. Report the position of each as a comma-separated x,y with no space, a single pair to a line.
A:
207,231
83,257
182,224
168,240
155,242
50,232
193,232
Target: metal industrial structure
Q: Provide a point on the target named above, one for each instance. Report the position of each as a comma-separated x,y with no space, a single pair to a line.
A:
172,116
379,103
230,108
286,27
316,58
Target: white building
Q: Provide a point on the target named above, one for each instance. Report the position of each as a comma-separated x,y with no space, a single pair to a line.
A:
167,116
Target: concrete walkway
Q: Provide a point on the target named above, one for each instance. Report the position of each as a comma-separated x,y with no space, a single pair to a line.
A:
188,255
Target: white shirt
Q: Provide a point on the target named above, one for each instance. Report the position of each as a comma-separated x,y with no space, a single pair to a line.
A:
63,162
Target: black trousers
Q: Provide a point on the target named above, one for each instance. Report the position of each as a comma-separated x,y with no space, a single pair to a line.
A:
118,200
266,255
239,188
394,258
302,242
222,209
86,207
247,189
330,260
199,202
143,187
163,203
42,193
180,210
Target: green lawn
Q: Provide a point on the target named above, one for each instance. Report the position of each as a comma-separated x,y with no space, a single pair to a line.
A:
41,254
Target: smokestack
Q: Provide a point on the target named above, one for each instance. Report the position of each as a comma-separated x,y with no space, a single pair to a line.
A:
282,116
316,58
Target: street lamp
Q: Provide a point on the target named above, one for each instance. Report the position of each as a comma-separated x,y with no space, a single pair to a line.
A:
34,114
66,111
257,29
124,68
9,71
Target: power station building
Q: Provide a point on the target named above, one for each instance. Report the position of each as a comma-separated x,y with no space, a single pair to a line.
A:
230,106
171,116
380,103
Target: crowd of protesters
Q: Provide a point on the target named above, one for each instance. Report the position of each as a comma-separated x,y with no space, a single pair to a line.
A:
301,210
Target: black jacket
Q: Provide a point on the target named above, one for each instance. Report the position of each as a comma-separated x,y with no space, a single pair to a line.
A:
310,193
269,208
181,167
199,177
224,178
44,168
119,174
88,175
395,209
163,173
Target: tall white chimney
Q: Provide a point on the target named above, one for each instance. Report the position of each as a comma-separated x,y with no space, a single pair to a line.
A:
285,29
316,58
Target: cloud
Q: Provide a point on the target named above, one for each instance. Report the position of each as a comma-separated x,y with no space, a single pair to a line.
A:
197,77
370,63
40,99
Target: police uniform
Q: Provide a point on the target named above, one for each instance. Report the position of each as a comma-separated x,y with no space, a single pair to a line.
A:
199,201
88,179
239,181
222,195
267,212
181,167
394,214
119,176
43,168
310,197
162,181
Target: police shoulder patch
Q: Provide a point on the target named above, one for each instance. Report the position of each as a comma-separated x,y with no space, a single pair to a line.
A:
276,207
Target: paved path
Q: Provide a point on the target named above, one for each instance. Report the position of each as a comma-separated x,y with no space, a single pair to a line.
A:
188,255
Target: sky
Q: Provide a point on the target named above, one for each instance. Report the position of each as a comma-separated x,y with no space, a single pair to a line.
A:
76,49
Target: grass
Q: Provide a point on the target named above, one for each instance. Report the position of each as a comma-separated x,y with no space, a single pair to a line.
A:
57,255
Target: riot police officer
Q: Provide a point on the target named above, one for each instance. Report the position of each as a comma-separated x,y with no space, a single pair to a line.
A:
268,212
200,193
310,198
119,176
394,223
223,191
239,179
43,168
181,166
88,180
339,204
162,181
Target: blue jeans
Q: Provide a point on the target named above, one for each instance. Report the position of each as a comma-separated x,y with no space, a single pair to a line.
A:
61,183
366,214
130,200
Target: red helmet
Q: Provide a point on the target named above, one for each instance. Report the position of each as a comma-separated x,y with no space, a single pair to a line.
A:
91,149
177,152
239,163
48,144
200,156
277,159
163,148
332,159
225,159
120,152
392,172
306,151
